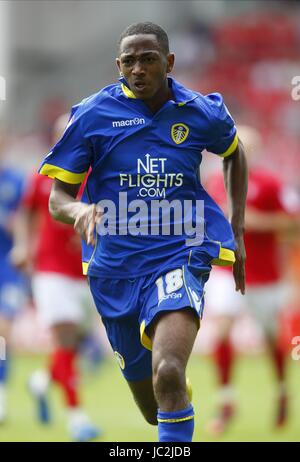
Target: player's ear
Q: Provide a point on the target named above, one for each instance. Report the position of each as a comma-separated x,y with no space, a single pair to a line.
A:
170,62
118,63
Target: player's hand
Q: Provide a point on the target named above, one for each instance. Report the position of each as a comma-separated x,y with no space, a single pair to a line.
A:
87,219
20,258
239,265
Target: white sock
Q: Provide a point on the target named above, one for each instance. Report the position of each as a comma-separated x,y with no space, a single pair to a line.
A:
76,418
2,401
226,395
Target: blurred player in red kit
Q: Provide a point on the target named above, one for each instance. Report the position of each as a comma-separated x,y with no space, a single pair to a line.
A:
268,213
60,293
13,285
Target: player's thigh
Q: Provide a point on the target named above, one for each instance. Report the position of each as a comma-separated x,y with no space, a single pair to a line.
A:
265,303
172,311
117,301
89,312
221,298
66,334
173,335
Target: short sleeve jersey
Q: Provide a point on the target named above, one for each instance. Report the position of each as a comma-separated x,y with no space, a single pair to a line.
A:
58,246
140,164
265,194
11,186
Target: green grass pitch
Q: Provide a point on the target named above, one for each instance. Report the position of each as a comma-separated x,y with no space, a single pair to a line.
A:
111,406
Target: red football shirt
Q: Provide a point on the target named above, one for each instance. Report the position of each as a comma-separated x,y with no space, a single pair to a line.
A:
58,247
262,248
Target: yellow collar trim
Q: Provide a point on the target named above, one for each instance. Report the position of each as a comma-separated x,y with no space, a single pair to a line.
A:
127,92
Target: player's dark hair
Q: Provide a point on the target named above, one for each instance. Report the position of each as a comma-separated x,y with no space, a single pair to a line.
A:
147,28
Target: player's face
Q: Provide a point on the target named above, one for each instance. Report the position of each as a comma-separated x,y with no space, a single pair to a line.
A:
144,65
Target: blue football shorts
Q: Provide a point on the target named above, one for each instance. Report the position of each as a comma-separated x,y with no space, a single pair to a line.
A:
128,307
13,291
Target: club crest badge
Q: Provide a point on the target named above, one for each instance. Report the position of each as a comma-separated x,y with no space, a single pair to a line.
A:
179,133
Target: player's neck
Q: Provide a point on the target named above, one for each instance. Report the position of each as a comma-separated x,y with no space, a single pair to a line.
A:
160,98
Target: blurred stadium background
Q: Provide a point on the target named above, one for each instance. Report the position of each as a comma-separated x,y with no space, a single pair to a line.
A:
53,54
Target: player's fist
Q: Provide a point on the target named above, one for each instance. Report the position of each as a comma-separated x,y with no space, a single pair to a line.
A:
86,221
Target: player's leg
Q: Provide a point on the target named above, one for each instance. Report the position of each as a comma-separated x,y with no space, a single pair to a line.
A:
135,363
223,356
58,300
65,372
223,350
63,366
170,320
143,394
90,349
223,305
266,303
173,335
279,361
5,330
12,300
143,391
118,303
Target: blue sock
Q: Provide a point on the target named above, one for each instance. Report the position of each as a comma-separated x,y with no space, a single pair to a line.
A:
4,369
176,426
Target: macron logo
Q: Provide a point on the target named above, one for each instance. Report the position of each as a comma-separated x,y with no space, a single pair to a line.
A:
128,122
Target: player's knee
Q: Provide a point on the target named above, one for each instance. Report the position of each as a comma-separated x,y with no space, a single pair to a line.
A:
151,418
66,336
149,411
168,375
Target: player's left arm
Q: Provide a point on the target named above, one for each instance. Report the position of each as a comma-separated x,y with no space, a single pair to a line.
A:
272,222
236,182
279,210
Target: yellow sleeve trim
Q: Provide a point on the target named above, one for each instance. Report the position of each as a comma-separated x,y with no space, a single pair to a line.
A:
226,258
145,340
61,174
85,266
231,148
184,419
127,92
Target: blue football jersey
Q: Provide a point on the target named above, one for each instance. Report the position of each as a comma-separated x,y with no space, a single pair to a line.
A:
144,173
11,186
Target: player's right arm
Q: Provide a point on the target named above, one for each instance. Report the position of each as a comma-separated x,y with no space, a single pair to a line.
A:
24,226
64,207
68,164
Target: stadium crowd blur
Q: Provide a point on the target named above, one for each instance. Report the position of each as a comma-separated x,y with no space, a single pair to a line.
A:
251,62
